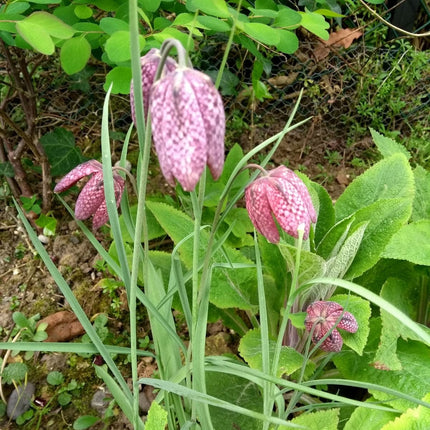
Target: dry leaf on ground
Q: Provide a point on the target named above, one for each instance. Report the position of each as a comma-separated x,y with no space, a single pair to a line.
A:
341,38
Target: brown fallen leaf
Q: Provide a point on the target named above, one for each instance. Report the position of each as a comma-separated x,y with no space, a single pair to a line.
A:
62,326
341,38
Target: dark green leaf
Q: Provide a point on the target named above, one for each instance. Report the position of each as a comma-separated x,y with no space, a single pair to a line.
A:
6,169
55,378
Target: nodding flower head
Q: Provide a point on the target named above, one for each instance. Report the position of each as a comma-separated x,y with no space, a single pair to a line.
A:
279,193
188,126
149,65
91,200
323,317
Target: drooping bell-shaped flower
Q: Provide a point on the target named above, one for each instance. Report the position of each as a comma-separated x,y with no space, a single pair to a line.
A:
91,200
279,193
188,126
149,65
325,316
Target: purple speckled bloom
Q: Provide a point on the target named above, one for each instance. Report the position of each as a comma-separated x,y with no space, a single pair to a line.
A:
188,126
91,200
282,194
323,316
149,64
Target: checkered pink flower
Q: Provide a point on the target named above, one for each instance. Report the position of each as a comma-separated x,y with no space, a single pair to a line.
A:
149,65
282,194
322,317
91,200
188,126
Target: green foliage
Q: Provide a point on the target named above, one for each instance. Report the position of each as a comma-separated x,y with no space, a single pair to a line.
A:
157,417
326,420
14,373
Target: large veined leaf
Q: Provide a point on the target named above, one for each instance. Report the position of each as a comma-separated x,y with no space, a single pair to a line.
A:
315,23
421,204
320,420
388,146
390,178
413,379
230,287
411,243
157,417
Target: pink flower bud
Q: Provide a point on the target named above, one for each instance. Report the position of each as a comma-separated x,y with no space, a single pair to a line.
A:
149,65
188,126
283,195
323,317
91,201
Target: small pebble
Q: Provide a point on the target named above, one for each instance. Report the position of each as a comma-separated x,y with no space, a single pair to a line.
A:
100,400
20,400
44,239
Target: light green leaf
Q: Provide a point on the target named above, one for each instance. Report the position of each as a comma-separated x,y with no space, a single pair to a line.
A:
55,378
118,46
287,18
150,5
14,372
388,146
390,178
44,1
360,308
121,78
329,13
82,11
214,24
265,4
237,391
421,203
214,7
36,36
262,33
315,23
416,419
51,24
231,287
320,420
413,379
157,417
290,360
411,243
174,33
75,54
405,296
84,422
373,418
288,42
111,25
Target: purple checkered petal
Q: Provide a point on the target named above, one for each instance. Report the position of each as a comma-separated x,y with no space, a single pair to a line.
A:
149,65
91,197
178,130
348,323
212,110
79,172
287,175
259,210
332,343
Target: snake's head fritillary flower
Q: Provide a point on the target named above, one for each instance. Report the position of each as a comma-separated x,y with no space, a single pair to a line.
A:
282,195
188,126
325,316
91,200
149,65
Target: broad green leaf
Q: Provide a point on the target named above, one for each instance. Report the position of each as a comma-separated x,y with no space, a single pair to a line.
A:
106,5
36,36
390,178
311,265
231,287
360,308
93,33
387,146
287,18
83,11
237,391
216,8
14,8
373,418
51,24
326,216
214,24
44,1
14,372
61,150
121,78
315,23
118,46
405,296
170,32
288,42
290,360
262,33
157,417
150,5
421,203
84,422
265,4
417,419
112,25
320,420
411,243
329,13
413,379
75,54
